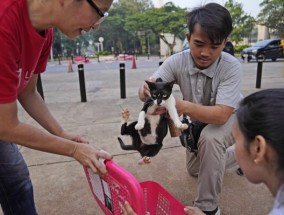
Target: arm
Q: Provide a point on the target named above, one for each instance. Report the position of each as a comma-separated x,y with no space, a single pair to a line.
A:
35,106
144,91
11,129
218,114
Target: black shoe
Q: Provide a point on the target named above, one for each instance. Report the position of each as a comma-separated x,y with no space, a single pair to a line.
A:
214,212
239,172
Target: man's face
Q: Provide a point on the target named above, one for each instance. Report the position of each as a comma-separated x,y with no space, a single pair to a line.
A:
203,52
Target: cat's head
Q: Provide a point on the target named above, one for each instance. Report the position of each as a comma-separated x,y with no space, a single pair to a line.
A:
160,91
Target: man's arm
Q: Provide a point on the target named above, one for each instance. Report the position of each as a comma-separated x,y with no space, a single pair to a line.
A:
217,114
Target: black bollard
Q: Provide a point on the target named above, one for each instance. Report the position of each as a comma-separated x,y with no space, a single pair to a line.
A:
82,83
39,86
260,60
122,80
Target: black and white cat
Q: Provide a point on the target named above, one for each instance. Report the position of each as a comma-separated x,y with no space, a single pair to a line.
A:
150,130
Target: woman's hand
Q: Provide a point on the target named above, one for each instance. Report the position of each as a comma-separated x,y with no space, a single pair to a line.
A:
86,154
74,137
127,210
193,211
90,156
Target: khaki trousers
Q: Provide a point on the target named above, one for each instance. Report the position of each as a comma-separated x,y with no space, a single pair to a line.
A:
210,163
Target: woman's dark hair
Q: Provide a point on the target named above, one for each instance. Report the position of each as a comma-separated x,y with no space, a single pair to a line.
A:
214,19
262,113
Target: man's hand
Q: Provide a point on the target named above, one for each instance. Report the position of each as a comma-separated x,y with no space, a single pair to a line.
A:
160,110
144,90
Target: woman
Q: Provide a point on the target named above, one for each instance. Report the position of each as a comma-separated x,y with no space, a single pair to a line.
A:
26,38
259,136
258,133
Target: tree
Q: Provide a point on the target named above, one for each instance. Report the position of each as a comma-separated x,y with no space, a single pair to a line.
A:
167,19
272,16
242,22
117,37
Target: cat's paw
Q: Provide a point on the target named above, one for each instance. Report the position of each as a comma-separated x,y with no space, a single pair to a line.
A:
125,115
144,160
181,126
139,126
184,126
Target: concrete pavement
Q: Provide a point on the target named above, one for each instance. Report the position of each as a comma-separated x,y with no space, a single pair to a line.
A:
59,182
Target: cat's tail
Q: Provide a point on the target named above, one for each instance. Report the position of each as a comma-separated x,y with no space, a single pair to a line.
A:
125,147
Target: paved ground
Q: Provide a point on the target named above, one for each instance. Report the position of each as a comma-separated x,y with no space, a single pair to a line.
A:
59,182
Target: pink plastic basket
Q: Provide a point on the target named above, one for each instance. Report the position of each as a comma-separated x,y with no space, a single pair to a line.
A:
146,198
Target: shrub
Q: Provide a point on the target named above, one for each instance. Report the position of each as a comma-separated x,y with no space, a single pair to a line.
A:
239,48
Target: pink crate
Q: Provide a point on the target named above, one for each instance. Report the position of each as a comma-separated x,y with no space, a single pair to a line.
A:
146,198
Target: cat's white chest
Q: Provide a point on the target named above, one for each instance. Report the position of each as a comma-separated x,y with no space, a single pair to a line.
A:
151,138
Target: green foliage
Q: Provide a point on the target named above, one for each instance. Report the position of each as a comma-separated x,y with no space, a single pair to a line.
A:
117,38
133,24
272,16
239,48
167,19
242,22
103,53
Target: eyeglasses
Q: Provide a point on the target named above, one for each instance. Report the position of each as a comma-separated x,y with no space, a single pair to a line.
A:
98,10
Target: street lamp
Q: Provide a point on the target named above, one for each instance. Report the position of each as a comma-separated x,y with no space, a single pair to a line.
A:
101,39
77,50
148,47
62,50
91,46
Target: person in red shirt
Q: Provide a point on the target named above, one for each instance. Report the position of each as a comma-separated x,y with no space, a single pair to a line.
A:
25,41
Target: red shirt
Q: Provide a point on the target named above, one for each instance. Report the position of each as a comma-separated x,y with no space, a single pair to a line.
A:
23,51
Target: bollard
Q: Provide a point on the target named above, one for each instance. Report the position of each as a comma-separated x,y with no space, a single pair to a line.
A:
160,62
245,58
82,83
122,80
260,60
39,86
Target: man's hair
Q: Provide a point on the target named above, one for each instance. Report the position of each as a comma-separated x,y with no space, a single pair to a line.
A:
214,19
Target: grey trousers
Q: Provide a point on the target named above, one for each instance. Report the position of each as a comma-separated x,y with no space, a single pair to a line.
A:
210,163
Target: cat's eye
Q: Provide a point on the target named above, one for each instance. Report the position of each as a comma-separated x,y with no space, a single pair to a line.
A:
154,94
165,95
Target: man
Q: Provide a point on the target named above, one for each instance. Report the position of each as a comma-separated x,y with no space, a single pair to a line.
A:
209,27
26,39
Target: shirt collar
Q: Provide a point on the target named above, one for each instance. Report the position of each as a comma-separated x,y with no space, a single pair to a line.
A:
208,71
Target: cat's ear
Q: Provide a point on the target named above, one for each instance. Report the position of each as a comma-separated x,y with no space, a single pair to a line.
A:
150,84
171,84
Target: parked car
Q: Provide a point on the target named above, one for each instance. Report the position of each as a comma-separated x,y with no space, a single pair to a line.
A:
124,57
81,59
267,49
229,48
